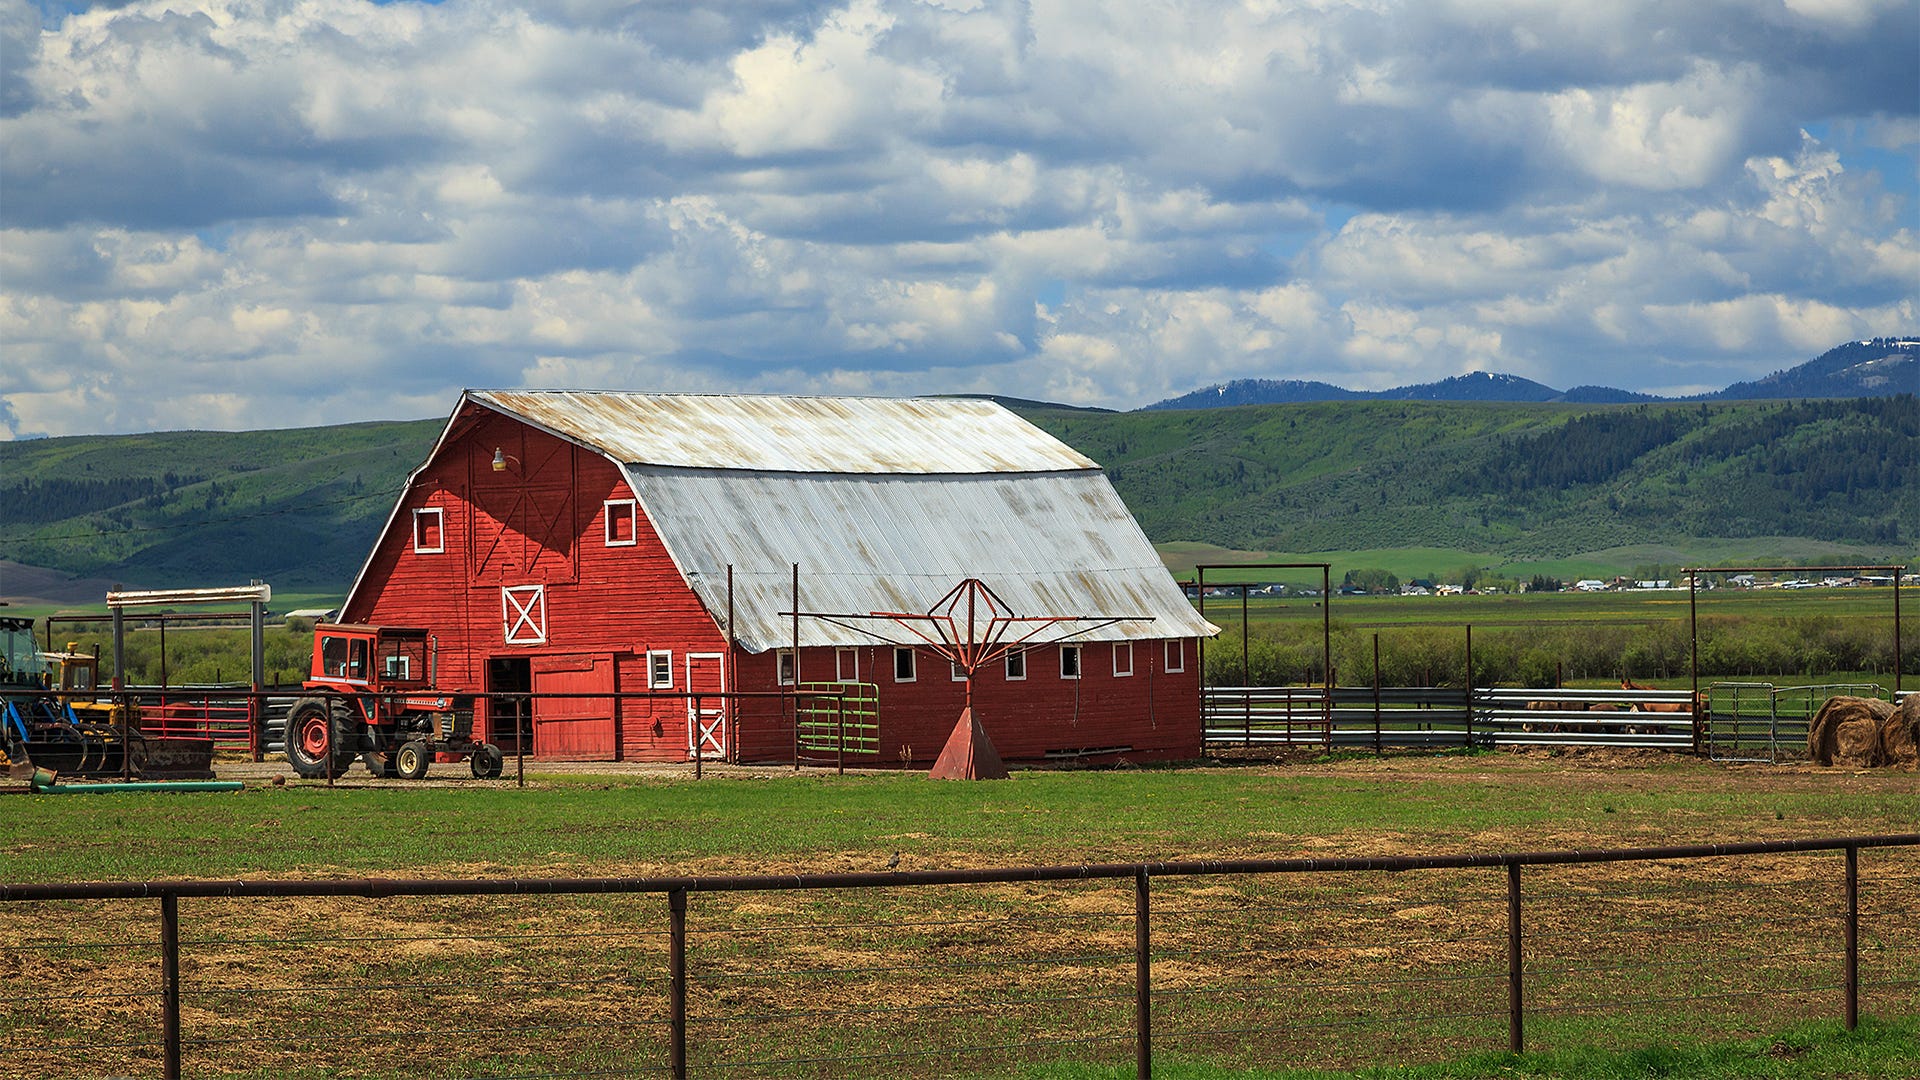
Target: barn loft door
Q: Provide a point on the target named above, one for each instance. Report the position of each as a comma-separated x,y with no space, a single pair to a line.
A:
521,520
574,728
706,717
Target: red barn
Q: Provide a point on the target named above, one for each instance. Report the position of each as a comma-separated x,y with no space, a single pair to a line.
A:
600,542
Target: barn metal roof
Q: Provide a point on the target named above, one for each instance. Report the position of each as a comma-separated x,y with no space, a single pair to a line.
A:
1053,544
793,434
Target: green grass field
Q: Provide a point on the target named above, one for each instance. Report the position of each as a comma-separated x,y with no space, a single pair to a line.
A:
1377,970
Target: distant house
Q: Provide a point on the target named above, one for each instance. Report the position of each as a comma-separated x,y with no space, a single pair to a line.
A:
1590,585
314,614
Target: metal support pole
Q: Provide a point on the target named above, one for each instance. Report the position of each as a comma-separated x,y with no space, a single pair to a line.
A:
520,726
677,983
693,721
732,681
256,705
1516,1011
1852,978
796,667
1469,685
170,984
1142,979
1693,654
1246,640
1376,693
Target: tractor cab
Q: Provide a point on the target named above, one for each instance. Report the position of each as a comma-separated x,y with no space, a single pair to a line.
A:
370,658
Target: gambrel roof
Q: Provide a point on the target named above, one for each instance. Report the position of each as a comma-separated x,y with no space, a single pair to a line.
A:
885,504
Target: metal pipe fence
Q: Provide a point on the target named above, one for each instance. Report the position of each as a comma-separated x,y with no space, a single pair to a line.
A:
1729,721
1334,962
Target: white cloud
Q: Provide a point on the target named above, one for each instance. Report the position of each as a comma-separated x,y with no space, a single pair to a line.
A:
257,212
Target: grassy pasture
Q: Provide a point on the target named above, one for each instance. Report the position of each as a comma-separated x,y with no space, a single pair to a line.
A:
1366,968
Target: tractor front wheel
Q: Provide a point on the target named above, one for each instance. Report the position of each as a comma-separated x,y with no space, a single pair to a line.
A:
486,761
317,740
412,760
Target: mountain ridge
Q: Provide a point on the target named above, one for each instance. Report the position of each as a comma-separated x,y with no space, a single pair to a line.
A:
1869,368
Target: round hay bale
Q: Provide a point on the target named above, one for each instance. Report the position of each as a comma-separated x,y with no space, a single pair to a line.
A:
1823,733
1856,743
1900,735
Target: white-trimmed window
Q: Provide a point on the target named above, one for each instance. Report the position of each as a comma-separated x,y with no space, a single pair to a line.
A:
1069,661
783,661
959,674
523,614
903,666
623,520
1176,652
1017,665
429,530
659,669
1122,659
846,665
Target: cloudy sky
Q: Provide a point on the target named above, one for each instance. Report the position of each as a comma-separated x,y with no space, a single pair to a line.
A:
270,213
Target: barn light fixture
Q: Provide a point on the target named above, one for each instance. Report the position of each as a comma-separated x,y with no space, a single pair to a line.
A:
500,459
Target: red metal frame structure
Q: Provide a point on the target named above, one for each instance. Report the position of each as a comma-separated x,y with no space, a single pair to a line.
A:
989,621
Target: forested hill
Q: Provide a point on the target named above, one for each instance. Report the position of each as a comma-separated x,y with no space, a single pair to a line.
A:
1516,480
301,508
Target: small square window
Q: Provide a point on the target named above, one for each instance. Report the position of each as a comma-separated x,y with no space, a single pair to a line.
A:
903,670
622,519
1017,665
660,669
1122,658
1176,655
429,532
783,659
846,665
1069,661
959,673
396,667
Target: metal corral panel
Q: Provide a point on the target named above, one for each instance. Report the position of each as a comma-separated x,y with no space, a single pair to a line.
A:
793,434
1047,544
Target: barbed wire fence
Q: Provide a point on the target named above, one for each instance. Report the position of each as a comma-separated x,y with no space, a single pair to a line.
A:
1340,962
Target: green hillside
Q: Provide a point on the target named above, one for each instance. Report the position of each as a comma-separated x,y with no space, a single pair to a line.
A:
294,507
1540,485
1519,481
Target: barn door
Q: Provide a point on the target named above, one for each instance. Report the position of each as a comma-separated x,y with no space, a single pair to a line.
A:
706,716
574,728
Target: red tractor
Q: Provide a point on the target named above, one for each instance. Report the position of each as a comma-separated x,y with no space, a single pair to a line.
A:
381,707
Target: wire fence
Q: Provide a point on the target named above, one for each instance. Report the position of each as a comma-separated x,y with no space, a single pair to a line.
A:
1309,962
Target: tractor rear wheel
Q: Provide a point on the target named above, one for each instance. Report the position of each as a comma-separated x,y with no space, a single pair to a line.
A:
412,760
318,742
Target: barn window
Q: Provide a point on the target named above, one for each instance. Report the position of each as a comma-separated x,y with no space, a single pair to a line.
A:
1017,665
621,517
1069,661
660,669
1123,658
429,535
846,665
902,665
783,659
959,674
523,614
1176,655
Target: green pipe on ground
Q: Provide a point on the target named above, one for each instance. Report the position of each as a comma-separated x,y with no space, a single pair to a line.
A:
136,785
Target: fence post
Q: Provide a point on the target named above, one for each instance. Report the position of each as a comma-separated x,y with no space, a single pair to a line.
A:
1852,979
1142,979
677,983
1516,1011
170,984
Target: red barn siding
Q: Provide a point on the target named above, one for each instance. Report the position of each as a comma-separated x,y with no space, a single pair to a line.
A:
543,523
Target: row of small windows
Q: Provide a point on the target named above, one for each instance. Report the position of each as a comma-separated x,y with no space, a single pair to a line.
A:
622,518
846,663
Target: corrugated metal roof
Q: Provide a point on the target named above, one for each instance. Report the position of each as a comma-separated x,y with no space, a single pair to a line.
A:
793,434
1053,544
